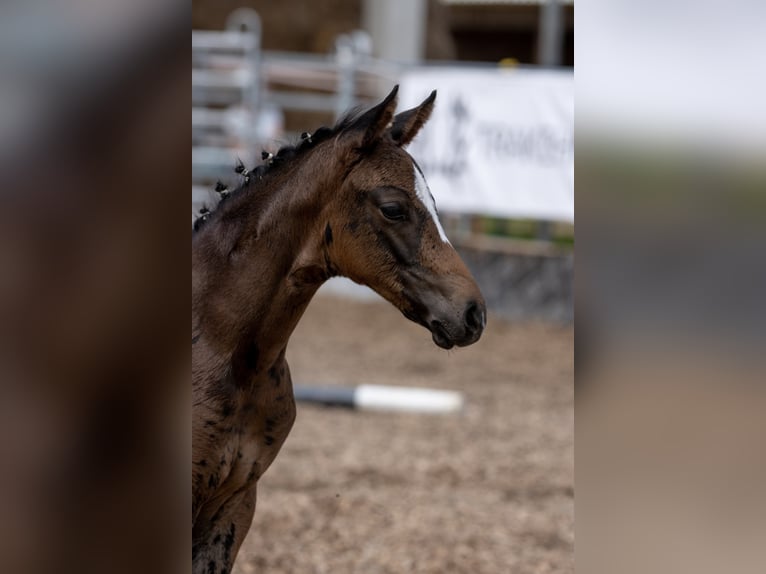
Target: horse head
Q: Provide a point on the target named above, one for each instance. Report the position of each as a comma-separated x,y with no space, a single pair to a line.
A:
383,229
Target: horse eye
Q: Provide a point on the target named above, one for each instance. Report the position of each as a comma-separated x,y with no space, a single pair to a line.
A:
392,211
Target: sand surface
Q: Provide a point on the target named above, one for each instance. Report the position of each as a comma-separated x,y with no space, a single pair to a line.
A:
488,490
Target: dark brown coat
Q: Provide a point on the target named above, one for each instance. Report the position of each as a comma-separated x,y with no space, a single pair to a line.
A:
348,201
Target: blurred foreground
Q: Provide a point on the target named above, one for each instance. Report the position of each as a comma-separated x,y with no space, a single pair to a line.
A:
94,132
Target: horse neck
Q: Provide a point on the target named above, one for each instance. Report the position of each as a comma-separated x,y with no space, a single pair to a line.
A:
249,301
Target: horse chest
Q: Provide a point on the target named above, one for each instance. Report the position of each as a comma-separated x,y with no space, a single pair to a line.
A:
261,429
246,436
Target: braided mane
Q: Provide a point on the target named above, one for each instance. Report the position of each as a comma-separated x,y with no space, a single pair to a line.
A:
272,162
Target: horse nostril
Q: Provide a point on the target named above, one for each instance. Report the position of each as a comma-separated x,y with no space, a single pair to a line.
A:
473,316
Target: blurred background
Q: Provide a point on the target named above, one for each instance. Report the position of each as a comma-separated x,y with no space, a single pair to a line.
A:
486,489
499,150
669,288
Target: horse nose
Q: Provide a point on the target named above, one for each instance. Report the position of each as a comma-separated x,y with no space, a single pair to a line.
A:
475,317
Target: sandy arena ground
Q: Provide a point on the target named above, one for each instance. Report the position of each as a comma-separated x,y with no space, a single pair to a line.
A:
489,490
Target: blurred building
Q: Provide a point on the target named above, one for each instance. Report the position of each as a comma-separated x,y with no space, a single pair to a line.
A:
493,30
263,75
467,30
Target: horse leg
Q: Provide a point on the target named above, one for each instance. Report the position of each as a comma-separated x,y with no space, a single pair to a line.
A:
217,552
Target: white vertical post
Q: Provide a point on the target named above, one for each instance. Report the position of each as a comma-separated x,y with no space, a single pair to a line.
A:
550,42
397,27
247,21
344,56
550,33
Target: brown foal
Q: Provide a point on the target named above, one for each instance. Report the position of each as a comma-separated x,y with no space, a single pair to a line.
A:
346,201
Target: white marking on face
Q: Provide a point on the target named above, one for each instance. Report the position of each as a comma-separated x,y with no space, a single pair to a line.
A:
424,194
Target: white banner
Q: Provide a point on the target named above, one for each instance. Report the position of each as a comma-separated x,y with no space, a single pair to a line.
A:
500,141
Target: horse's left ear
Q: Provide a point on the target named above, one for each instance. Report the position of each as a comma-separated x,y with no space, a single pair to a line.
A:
372,124
407,124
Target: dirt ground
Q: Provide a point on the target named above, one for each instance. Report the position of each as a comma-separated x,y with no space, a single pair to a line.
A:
488,490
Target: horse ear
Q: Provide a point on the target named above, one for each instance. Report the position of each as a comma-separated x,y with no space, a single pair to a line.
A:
373,123
407,124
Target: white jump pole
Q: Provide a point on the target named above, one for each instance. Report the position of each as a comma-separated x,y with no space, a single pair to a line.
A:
383,398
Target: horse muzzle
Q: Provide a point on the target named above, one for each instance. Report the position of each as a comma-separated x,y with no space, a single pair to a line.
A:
447,332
